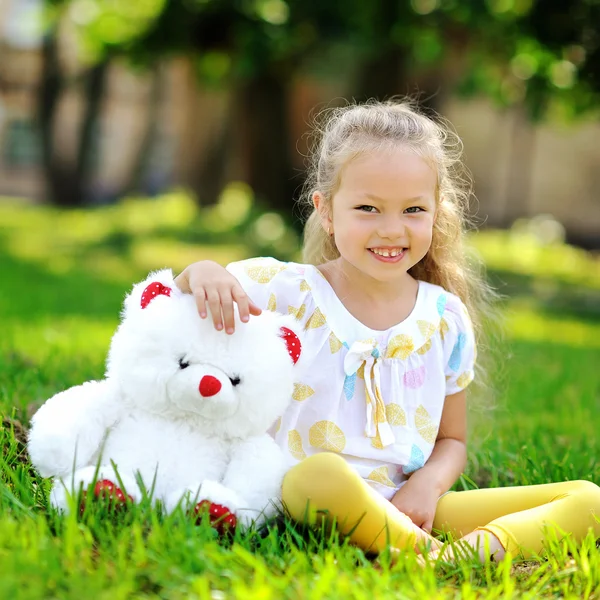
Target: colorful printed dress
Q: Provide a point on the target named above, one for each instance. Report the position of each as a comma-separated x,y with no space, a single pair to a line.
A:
375,397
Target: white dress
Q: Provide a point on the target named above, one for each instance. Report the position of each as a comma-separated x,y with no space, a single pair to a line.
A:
374,397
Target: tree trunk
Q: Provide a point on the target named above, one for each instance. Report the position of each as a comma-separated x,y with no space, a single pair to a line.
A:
211,175
264,134
139,176
66,177
50,90
94,85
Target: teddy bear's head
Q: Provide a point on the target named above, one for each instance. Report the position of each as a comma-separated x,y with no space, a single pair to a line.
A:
168,361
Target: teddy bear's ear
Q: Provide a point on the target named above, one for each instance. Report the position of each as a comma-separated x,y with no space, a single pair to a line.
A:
158,283
152,291
292,342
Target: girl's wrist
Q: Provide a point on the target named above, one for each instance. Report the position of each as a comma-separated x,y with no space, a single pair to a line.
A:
430,477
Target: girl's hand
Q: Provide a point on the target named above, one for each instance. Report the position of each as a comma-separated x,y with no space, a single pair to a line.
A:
417,499
212,284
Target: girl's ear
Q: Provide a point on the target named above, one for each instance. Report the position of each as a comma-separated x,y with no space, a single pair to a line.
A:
323,212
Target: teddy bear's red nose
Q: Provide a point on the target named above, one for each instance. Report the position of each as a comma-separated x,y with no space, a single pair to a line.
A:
209,386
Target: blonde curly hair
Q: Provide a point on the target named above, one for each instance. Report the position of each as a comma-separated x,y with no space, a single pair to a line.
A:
345,133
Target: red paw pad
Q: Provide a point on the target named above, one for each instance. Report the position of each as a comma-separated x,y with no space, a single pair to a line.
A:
105,488
221,518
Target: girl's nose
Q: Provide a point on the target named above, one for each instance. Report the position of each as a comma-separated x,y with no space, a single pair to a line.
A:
209,386
392,229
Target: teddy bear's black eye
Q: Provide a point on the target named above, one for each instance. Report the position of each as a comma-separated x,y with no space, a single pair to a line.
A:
234,381
183,364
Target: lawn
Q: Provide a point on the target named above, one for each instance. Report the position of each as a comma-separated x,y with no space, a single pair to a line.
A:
64,276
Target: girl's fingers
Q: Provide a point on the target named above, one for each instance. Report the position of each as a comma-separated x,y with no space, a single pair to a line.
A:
254,310
227,308
214,303
200,297
242,301
220,303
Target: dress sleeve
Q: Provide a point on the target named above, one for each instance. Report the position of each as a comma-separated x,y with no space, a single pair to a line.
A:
459,346
256,277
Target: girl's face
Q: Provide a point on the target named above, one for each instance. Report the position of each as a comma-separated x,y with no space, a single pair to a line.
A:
382,213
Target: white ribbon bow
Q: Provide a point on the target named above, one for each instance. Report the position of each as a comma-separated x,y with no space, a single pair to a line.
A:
367,353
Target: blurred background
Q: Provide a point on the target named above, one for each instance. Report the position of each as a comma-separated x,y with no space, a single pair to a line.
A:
99,98
159,132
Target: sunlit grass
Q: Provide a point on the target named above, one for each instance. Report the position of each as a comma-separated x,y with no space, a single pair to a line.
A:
525,321
521,252
122,242
64,276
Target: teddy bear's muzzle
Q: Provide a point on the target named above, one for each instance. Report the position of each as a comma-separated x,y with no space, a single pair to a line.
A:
209,386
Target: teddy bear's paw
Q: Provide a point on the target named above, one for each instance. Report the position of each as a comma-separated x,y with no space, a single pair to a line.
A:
247,517
218,494
258,516
220,517
94,485
60,497
109,492
186,498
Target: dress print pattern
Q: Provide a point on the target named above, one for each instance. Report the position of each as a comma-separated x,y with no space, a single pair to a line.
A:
375,397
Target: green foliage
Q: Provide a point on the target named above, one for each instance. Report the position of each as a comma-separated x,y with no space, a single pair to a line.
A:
548,281
512,50
108,25
59,306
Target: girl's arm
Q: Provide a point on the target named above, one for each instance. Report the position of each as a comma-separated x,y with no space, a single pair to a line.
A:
418,497
449,456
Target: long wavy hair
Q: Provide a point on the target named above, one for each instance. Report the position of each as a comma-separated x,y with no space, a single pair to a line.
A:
342,134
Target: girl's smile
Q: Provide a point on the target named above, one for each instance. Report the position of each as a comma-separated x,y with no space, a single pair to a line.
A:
389,255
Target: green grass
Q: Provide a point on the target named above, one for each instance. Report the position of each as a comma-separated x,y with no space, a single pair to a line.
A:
63,277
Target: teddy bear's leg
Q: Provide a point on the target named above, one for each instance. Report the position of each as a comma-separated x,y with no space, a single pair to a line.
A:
223,506
186,497
119,490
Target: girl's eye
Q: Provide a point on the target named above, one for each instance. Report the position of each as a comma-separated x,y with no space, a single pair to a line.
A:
183,364
413,209
235,381
366,208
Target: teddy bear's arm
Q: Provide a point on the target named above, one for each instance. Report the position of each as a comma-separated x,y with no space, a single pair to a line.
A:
256,472
68,430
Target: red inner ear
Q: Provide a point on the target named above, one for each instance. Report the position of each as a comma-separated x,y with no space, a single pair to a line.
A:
154,289
292,342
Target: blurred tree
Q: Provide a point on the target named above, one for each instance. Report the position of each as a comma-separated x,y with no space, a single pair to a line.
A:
543,55
67,175
108,30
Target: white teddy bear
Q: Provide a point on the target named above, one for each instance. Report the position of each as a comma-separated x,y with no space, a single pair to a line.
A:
183,407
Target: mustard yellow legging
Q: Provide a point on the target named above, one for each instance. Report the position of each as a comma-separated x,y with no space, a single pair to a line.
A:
325,486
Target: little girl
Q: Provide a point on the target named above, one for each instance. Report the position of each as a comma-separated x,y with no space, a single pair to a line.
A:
391,311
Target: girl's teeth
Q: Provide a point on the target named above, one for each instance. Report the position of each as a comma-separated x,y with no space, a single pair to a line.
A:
387,253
